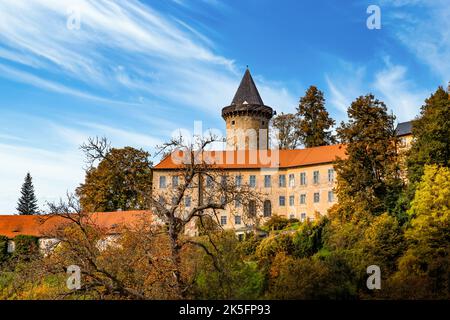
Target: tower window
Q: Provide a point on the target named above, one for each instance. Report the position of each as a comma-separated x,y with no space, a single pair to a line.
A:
232,123
263,123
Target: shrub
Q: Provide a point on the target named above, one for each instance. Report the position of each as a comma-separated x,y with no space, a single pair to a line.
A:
3,248
25,246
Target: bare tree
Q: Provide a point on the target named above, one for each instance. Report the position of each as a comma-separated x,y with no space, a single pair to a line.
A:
213,189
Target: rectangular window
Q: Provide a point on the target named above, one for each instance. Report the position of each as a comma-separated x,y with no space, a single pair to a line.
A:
209,182
303,178
174,181
291,180
267,181
291,201
316,177
237,219
162,182
282,201
292,216
252,181
238,181
303,199
223,181
187,201
223,220
330,196
330,175
303,217
237,203
316,197
282,180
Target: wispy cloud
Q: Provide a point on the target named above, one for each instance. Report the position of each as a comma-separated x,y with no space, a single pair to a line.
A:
426,35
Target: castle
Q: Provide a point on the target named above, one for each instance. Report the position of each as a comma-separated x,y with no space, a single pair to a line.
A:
294,183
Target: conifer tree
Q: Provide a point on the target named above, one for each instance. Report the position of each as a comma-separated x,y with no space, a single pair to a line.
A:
315,122
27,204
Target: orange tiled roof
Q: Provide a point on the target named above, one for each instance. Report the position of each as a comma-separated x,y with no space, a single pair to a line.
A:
39,226
245,159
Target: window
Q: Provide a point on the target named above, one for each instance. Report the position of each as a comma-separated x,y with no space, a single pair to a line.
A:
267,208
174,200
291,180
292,216
223,181
303,217
223,220
252,181
330,196
233,122
187,201
267,181
252,208
209,181
161,200
291,201
174,181
162,182
237,219
282,201
223,200
238,181
282,180
303,178
237,202
316,177
316,197
303,198
330,175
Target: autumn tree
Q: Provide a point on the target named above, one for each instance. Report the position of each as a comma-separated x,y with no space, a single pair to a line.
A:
121,180
315,123
431,131
286,127
201,179
27,204
368,179
424,268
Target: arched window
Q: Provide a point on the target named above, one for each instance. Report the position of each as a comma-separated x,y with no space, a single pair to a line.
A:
267,208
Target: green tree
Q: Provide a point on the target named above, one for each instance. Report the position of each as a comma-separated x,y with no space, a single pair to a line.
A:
121,181
27,204
287,128
368,180
431,130
315,123
424,268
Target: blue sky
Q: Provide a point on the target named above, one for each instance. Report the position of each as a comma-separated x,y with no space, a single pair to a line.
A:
139,71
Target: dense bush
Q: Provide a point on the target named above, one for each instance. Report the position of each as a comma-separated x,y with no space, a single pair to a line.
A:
25,246
3,248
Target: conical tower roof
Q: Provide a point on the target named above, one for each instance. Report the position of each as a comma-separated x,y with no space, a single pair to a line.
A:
247,93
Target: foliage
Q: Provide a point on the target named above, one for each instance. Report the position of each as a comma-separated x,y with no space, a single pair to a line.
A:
431,130
287,128
27,204
25,247
122,180
229,277
3,249
275,222
368,179
315,123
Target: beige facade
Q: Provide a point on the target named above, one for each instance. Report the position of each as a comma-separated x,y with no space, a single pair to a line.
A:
299,192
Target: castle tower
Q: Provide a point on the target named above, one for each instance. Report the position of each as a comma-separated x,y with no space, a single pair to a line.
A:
247,118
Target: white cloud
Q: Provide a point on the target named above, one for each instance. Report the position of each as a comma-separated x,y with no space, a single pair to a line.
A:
426,35
398,92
